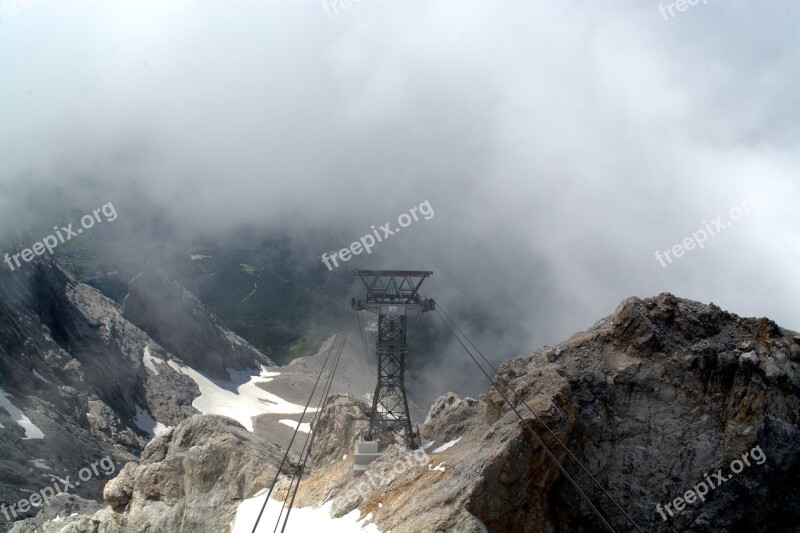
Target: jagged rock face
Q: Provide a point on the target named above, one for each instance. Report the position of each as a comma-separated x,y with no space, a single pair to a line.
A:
682,389
65,359
650,400
74,365
177,320
450,416
52,517
193,477
190,479
344,418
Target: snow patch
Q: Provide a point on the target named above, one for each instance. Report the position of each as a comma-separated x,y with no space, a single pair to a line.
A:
439,467
149,361
197,257
56,478
31,431
446,445
38,375
305,427
301,520
147,423
39,463
249,400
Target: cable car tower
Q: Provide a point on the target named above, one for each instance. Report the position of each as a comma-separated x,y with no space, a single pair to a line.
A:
392,295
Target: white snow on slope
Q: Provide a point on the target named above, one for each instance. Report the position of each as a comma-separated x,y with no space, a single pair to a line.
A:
149,361
249,400
439,467
39,463
301,519
305,427
146,422
38,375
446,445
31,431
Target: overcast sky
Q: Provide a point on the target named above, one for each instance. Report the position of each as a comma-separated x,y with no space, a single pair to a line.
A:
560,144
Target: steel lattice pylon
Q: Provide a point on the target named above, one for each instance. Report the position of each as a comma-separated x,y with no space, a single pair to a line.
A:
392,295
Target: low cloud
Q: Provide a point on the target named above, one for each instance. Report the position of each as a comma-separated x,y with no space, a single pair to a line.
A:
561,144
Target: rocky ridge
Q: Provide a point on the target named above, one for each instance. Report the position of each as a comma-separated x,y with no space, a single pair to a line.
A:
87,373
177,320
649,399
189,479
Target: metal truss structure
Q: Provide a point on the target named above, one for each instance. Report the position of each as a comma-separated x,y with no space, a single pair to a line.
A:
392,295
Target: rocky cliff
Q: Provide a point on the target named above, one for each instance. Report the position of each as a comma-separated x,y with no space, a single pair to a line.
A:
655,399
80,380
177,320
189,479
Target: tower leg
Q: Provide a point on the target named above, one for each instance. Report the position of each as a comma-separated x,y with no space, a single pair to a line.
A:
390,420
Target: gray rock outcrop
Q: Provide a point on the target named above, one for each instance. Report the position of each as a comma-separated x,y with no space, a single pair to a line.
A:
80,371
177,320
190,479
344,418
650,399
